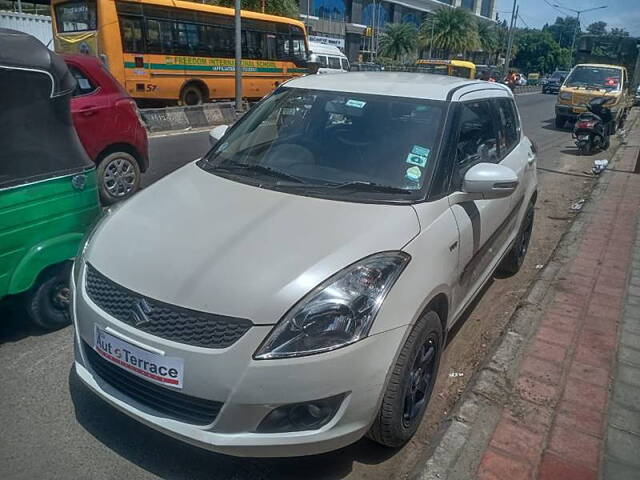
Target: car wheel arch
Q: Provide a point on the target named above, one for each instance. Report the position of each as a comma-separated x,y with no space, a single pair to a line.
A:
123,147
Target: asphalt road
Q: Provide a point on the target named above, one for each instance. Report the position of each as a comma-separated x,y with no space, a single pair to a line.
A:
52,427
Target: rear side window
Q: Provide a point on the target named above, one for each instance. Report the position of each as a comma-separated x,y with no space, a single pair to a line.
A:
84,84
334,63
509,127
477,137
345,64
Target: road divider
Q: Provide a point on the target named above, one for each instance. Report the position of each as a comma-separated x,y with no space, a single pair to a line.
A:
180,118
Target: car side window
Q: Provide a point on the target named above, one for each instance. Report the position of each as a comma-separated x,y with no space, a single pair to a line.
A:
345,64
477,138
322,60
84,85
509,127
334,63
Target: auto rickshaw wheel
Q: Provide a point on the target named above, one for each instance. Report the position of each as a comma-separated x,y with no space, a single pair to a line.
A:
48,301
118,177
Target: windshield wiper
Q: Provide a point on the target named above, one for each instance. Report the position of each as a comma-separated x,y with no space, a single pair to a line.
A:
370,187
259,169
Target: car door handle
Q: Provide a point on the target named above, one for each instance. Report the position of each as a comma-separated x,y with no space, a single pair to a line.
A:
530,158
88,110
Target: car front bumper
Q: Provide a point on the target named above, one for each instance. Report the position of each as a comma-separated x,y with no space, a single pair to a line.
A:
249,389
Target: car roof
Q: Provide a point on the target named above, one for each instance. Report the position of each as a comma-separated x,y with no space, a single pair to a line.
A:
600,65
395,84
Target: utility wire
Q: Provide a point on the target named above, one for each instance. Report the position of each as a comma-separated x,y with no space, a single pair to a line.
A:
523,21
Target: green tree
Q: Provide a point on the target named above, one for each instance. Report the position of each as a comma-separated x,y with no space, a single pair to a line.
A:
454,31
489,37
563,30
619,32
398,40
283,8
539,52
597,28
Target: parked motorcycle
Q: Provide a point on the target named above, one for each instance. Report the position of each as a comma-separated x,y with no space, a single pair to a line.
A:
594,127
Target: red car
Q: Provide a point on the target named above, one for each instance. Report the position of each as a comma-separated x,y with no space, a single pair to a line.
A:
110,128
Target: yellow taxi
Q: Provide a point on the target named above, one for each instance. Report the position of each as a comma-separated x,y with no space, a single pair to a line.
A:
589,80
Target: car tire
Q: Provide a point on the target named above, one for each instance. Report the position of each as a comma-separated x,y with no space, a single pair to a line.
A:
118,177
397,419
47,303
513,261
192,94
560,121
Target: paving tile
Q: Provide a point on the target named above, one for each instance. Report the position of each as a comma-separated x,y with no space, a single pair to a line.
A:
495,466
583,418
624,418
548,351
589,373
554,467
614,470
627,395
623,446
568,324
516,440
583,393
629,374
536,418
555,335
572,445
548,372
536,391
629,355
630,340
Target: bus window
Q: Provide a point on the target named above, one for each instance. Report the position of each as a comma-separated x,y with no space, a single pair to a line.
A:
77,16
131,34
322,60
271,47
462,72
334,63
345,64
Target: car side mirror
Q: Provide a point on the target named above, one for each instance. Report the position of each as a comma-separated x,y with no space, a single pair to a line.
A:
217,133
486,181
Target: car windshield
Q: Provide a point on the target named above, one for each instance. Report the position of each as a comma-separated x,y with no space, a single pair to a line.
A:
333,144
595,77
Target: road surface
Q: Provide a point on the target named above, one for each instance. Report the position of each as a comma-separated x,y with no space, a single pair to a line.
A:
53,427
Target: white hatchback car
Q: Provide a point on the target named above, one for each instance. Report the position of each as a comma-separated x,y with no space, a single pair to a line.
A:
292,291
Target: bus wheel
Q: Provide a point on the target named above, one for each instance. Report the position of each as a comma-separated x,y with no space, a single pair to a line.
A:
192,94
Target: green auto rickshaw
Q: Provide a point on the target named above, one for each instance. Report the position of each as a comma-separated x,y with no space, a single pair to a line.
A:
48,195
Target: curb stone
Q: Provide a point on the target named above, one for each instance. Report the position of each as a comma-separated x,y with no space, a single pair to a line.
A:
456,449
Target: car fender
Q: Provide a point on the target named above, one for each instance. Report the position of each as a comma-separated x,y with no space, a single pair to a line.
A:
42,255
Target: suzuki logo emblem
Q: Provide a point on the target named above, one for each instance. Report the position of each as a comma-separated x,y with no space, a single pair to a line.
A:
140,312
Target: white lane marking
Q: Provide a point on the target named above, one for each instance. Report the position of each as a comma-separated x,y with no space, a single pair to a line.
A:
179,132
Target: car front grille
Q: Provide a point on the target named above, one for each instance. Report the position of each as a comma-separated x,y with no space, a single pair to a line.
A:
170,403
161,319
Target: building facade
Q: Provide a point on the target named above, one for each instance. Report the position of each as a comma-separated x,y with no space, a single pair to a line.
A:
354,25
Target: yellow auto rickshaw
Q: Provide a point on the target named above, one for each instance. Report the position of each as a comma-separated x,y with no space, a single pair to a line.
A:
453,68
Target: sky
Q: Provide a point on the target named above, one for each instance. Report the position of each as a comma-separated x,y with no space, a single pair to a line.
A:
535,13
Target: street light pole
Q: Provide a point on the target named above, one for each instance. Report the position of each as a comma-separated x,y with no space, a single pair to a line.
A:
507,57
433,26
238,70
575,32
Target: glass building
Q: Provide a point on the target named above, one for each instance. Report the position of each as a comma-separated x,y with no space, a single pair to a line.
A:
353,25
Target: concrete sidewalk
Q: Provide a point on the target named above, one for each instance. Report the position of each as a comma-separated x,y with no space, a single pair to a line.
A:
559,399
561,420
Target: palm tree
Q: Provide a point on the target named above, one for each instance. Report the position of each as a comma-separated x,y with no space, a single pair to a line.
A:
488,37
398,40
450,29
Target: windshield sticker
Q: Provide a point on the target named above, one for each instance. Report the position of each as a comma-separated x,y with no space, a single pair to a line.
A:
418,156
355,103
414,173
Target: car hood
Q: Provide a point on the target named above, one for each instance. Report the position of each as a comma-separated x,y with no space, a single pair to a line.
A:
207,243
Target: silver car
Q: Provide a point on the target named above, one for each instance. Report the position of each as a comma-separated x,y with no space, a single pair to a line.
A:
292,291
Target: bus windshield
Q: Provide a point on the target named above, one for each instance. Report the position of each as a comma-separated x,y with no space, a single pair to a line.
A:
76,16
594,77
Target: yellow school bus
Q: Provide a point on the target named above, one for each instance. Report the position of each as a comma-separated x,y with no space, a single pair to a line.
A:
453,68
181,51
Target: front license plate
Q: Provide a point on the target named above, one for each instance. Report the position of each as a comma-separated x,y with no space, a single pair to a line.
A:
583,137
151,366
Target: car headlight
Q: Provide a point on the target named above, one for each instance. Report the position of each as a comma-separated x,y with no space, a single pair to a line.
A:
338,312
565,96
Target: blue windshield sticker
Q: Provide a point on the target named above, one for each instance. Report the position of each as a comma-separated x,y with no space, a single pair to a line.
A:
355,103
418,156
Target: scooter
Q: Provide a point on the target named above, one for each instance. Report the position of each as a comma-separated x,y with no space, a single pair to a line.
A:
594,127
